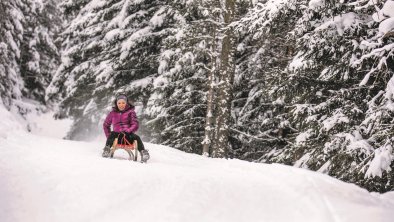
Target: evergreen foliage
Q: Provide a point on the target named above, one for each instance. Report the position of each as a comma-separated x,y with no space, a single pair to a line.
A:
28,51
264,50
110,47
336,78
177,106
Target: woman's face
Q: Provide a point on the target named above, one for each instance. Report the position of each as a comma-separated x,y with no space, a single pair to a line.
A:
121,104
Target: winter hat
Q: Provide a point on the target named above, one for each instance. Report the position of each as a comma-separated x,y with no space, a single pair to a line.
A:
121,97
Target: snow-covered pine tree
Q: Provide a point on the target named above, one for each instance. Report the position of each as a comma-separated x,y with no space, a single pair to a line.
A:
39,51
190,80
263,52
317,89
330,92
28,52
178,105
11,30
376,171
110,47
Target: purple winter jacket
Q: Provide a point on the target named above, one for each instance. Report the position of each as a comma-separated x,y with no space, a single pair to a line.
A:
123,121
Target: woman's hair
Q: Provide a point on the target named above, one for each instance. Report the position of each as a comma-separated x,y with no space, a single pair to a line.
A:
129,102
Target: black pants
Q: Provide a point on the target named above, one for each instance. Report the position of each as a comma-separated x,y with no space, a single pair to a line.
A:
129,136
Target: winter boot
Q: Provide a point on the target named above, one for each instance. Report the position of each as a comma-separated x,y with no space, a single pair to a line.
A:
144,156
106,151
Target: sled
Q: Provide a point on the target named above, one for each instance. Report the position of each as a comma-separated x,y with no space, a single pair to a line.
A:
130,148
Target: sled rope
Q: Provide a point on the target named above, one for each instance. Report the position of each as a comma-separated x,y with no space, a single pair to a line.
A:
130,148
125,143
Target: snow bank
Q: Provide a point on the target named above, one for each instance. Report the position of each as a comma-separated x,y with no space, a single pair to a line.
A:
44,179
44,124
9,122
36,122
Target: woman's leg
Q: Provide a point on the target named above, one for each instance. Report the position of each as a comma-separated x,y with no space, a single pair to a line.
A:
108,144
144,153
132,136
111,138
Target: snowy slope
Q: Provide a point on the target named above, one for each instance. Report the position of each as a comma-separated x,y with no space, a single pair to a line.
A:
48,179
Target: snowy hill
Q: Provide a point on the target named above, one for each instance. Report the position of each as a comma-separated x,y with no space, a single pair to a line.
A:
49,179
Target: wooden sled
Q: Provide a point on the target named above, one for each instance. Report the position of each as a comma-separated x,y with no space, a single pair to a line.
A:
130,148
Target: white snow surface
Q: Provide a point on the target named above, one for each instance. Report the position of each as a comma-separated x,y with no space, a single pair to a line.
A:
50,179
46,125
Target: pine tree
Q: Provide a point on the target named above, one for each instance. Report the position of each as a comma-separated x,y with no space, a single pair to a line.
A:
327,93
178,105
264,50
11,29
28,51
39,52
109,48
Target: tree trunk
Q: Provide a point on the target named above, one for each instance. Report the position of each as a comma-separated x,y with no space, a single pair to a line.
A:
212,77
210,106
226,78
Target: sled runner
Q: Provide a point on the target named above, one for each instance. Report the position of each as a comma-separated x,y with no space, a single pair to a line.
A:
130,148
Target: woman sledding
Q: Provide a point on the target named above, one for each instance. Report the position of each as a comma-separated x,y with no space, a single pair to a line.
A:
124,121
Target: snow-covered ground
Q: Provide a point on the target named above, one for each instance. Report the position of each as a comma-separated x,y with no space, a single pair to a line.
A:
50,179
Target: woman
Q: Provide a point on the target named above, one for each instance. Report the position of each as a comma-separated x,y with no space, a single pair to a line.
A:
124,120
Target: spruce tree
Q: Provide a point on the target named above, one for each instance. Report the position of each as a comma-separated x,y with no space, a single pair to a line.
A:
177,106
329,92
264,50
11,29
28,51
109,48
